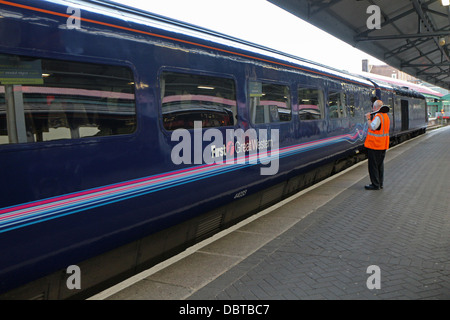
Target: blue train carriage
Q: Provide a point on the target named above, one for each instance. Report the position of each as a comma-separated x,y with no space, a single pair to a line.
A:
114,129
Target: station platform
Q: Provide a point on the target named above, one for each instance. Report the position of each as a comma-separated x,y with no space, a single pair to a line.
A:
333,241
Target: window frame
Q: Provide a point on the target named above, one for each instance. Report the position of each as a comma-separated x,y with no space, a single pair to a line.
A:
342,112
193,73
323,104
268,82
62,59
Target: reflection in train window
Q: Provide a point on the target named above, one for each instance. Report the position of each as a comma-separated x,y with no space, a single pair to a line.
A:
310,104
64,100
336,104
269,102
187,98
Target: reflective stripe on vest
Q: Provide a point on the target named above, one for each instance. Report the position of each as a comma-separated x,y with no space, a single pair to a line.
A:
379,139
378,135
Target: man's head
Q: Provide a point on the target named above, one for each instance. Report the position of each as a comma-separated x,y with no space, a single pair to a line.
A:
377,105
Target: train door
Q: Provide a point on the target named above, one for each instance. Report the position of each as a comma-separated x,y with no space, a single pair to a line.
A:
405,114
388,99
338,121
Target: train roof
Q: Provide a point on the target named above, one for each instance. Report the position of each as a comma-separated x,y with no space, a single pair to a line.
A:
404,84
139,16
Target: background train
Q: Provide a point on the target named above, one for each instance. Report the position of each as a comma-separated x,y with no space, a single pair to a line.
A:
90,97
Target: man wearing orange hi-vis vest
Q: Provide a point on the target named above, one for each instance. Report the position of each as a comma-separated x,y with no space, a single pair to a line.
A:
377,142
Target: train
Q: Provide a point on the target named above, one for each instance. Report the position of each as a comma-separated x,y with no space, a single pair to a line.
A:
126,137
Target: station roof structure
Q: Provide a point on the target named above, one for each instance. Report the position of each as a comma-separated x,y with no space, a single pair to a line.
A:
413,35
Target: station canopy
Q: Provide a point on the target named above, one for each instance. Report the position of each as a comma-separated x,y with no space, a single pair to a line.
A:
412,35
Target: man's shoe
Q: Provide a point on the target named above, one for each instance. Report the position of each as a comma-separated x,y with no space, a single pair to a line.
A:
371,187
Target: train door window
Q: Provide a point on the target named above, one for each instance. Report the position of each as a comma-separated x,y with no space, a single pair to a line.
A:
351,104
405,114
391,110
45,99
269,102
4,136
187,98
310,104
336,104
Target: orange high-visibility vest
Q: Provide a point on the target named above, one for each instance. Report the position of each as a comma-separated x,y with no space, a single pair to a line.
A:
379,139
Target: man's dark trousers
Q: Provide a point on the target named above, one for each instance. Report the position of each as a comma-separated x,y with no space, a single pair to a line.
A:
376,166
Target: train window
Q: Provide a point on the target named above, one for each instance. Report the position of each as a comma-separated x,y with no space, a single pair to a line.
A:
336,104
4,136
310,104
269,102
187,98
351,104
44,99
